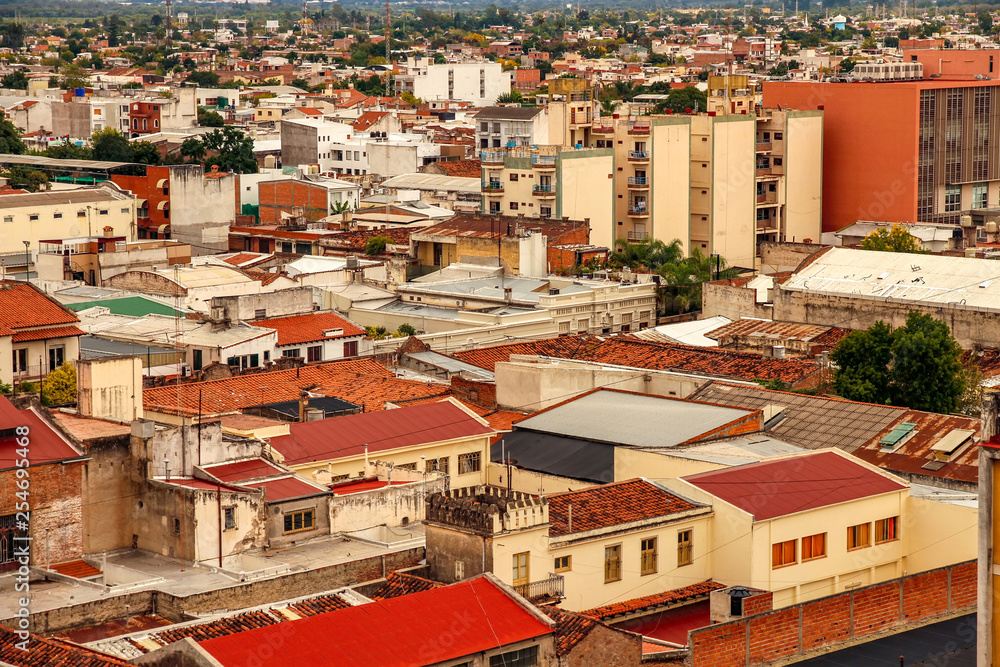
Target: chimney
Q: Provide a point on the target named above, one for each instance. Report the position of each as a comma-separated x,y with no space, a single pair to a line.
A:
109,231
303,405
569,517
988,418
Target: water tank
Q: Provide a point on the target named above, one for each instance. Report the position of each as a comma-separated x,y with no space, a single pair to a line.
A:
778,351
352,262
966,221
970,252
991,226
79,92
737,594
314,414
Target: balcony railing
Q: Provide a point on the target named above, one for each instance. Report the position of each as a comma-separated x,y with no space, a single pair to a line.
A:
638,236
492,186
764,147
548,189
638,127
637,181
638,155
603,128
492,157
543,161
546,589
638,209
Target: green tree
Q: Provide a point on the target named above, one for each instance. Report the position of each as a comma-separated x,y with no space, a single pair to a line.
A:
10,138
376,245
647,254
679,100
927,371
111,145
513,97
24,178
863,358
72,76
916,366
684,280
209,118
891,239
233,150
204,79
405,329
144,152
59,386
15,80
193,150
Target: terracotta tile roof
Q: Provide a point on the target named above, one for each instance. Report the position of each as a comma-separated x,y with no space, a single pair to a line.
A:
610,505
399,583
46,334
356,240
571,628
243,258
655,356
367,119
78,569
309,328
319,605
477,225
690,593
360,381
265,277
807,333
48,652
792,484
462,168
24,306
218,628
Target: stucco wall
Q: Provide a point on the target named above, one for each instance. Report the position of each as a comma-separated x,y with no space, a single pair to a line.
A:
110,388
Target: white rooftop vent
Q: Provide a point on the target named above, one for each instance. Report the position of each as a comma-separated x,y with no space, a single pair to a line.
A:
985,284
952,443
883,276
332,333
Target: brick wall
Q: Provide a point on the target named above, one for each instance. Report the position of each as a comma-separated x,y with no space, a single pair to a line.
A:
283,196
145,282
56,505
606,647
828,622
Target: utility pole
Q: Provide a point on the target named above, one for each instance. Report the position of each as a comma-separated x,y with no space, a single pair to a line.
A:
388,49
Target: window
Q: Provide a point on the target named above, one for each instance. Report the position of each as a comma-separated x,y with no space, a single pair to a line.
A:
980,195
56,216
177,526
8,218
314,353
612,563
57,355
260,313
513,177
886,530
33,216
20,360
438,465
562,564
953,198
102,211
81,214
468,463
125,211
525,657
859,536
230,517
299,521
294,352
520,574
783,553
513,206
813,547
685,548
648,563
351,348
198,359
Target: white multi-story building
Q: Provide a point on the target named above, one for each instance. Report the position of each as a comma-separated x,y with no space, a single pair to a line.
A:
480,83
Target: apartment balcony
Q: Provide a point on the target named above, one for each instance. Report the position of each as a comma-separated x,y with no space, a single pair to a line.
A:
544,191
638,183
544,162
764,147
551,589
638,210
768,198
638,236
581,118
492,187
492,157
638,156
640,127
603,128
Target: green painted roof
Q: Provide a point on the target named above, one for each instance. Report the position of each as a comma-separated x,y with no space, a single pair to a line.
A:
136,306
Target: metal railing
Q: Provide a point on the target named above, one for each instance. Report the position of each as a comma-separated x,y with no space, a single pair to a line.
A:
543,189
638,127
553,588
638,236
543,160
493,186
492,157
763,146
637,180
638,209
603,128
638,155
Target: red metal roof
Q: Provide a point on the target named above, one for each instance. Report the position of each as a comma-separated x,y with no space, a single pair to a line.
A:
201,484
360,486
610,505
240,470
285,488
417,629
340,437
45,443
793,484
309,328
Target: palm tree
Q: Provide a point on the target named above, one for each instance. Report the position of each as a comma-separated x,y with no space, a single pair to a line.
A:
682,292
649,254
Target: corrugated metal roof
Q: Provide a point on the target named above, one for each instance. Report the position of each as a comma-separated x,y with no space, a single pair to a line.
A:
434,182
795,484
83,165
557,455
632,419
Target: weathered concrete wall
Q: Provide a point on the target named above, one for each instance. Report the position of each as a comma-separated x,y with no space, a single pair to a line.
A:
784,256
298,144
72,118
275,518
969,326
145,282
295,301
56,510
266,591
453,555
183,653
110,388
110,489
389,506
733,302
202,209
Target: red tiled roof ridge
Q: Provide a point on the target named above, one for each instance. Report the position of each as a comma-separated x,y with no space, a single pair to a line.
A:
792,393
655,600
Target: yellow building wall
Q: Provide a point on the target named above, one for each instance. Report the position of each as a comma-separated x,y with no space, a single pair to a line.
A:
670,194
425,254
529,481
936,534
733,189
803,176
70,224
354,466
585,188
631,463
584,582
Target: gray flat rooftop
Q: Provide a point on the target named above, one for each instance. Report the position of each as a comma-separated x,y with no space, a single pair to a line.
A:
449,364
80,165
522,289
632,419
